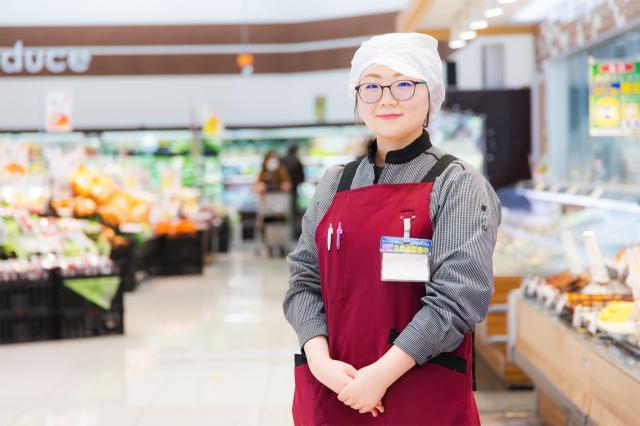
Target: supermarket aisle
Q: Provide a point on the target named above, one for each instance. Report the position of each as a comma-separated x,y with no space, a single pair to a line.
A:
205,350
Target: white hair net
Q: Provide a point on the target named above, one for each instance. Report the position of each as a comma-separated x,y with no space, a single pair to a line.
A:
413,54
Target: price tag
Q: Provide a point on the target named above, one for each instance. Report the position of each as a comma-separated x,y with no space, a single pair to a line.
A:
593,325
571,252
527,285
599,271
577,317
552,295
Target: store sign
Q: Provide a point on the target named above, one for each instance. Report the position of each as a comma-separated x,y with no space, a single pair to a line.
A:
614,98
19,59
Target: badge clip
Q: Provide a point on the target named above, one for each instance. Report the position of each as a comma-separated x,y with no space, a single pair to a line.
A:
407,227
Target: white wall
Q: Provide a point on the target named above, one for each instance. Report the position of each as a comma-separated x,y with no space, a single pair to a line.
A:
102,102
519,57
104,12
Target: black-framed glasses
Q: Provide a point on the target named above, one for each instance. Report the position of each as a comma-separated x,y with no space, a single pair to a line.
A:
401,90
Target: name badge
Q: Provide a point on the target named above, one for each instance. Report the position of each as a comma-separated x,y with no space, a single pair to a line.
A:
405,259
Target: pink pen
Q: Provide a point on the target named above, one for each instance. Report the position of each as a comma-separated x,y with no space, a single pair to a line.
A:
339,234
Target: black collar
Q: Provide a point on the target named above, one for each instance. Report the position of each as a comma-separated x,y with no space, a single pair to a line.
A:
404,155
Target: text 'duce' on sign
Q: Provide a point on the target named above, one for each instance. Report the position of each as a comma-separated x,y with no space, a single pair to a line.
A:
19,59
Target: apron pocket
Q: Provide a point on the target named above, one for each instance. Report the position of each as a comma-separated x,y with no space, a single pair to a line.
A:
309,397
430,395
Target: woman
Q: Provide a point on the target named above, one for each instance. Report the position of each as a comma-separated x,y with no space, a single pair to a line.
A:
375,350
273,176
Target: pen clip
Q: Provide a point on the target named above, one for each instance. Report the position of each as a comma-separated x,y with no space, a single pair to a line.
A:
338,235
329,236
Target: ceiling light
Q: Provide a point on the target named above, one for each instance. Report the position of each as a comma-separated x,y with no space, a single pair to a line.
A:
457,44
537,11
493,12
479,24
468,35
507,1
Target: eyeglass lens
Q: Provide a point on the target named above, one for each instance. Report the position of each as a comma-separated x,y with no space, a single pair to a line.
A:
401,90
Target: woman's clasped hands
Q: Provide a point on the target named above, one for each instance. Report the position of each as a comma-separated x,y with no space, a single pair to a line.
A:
361,389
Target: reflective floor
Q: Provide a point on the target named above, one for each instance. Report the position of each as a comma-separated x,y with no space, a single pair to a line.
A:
203,350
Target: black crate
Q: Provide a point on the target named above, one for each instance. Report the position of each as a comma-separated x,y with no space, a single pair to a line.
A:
16,329
131,262
177,255
90,322
28,298
69,299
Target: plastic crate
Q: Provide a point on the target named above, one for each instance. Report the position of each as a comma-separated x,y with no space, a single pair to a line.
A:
27,298
16,329
90,322
131,263
80,317
177,255
69,299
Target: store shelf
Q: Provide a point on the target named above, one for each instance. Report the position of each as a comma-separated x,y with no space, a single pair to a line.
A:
491,335
590,381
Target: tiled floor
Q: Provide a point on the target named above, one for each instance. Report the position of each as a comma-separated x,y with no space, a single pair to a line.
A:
204,350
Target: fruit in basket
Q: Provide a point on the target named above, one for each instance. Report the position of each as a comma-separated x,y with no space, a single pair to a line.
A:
102,189
185,227
81,181
14,169
84,207
616,312
163,228
138,211
111,215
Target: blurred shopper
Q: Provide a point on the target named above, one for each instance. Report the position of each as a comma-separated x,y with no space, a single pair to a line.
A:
273,215
296,173
394,265
273,176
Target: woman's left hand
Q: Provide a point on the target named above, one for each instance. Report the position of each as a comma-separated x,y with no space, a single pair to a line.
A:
366,390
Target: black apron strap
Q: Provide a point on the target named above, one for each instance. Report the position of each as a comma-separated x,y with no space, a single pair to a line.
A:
440,166
347,175
473,359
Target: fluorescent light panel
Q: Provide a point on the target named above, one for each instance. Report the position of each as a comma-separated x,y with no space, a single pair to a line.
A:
494,12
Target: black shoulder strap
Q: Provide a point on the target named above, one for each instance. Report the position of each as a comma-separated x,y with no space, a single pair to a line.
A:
347,175
439,167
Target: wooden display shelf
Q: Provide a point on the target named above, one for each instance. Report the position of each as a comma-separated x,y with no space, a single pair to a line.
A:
491,335
579,381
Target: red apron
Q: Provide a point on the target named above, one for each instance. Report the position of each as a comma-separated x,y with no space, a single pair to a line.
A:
364,315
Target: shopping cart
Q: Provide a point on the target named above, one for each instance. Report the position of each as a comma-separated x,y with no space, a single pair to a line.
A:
274,222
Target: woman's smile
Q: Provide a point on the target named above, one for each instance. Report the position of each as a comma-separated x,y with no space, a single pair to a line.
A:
388,116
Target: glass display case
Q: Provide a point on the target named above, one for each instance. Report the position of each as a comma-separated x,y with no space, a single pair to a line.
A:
539,223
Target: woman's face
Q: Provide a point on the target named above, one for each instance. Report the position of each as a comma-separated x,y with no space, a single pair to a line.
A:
390,118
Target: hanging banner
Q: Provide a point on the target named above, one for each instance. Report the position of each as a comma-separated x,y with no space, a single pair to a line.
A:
58,107
614,98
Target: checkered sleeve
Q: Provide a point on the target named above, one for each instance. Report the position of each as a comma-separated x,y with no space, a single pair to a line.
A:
466,219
